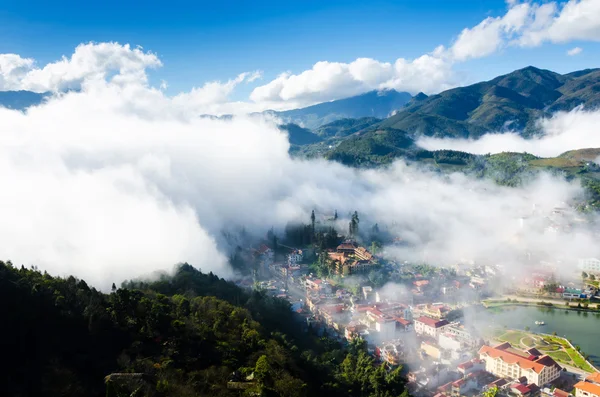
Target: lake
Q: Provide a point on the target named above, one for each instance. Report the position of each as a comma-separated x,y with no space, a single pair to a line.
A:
582,328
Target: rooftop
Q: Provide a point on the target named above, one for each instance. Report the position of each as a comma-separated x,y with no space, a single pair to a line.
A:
504,352
594,378
588,387
431,322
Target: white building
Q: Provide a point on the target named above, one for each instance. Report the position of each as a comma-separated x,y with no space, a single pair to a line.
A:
587,389
589,265
295,257
429,326
386,328
537,368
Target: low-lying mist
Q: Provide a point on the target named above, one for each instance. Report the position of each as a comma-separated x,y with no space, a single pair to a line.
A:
563,131
115,182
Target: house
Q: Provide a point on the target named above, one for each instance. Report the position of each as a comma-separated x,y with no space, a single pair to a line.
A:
587,389
520,389
403,325
561,393
354,330
421,285
265,253
468,367
594,378
314,284
590,265
295,257
429,326
464,335
438,311
431,350
505,361
393,352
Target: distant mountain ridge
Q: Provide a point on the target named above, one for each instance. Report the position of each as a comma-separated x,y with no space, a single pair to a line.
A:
514,101
377,104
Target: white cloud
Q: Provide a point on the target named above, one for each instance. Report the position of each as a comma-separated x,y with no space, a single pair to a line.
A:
212,95
564,131
12,70
333,80
575,51
490,35
524,24
90,62
117,181
574,20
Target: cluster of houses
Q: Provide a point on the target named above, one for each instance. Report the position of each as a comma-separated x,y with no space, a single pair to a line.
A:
350,258
447,358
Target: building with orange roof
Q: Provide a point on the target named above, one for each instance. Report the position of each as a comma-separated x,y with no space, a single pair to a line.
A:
506,362
594,378
587,389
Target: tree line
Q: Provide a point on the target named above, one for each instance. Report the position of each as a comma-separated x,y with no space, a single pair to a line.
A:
184,334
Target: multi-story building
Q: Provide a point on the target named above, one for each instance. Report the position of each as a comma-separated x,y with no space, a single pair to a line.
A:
506,362
590,265
590,387
295,257
429,326
587,389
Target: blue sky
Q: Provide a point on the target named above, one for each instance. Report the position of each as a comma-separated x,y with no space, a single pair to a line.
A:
204,41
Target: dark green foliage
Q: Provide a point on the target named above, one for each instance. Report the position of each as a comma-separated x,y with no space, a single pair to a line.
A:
182,335
298,135
513,101
452,157
372,148
345,127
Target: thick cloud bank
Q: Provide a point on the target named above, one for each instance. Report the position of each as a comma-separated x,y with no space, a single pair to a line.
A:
565,131
113,182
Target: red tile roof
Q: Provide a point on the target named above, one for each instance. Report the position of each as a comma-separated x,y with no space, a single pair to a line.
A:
466,365
512,358
521,388
431,322
561,393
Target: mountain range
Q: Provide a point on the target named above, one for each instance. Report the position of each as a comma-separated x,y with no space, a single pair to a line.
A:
512,102
378,104
385,123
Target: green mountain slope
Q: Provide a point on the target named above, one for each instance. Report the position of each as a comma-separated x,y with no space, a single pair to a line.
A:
344,127
379,104
189,334
298,135
513,101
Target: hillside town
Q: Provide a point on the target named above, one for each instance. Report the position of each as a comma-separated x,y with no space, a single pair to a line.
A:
415,316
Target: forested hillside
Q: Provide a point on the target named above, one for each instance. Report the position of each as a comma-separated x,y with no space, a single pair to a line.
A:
190,334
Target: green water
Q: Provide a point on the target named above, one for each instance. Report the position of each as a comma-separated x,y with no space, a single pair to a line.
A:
582,328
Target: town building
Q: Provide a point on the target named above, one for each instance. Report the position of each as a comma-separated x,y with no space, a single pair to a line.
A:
590,265
349,258
505,361
295,257
468,367
431,350
354,330
393,352
436,310
429,326
587,389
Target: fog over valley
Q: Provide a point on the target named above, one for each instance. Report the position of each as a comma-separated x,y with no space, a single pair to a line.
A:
114,182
